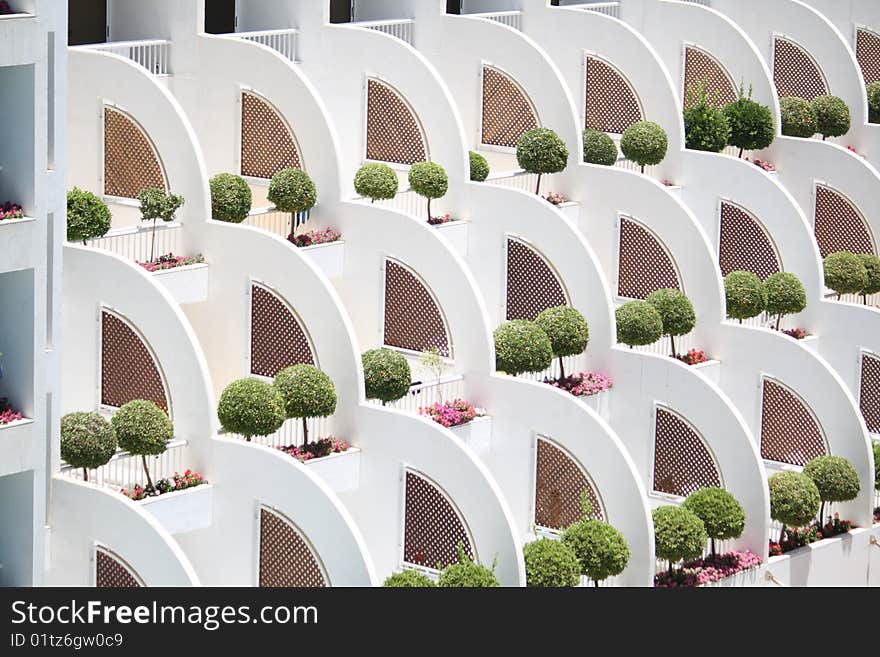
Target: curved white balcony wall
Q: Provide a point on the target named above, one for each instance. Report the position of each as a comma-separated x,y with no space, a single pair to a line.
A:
849,14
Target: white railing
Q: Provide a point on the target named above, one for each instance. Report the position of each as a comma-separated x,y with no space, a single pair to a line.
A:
406,201
282,41
154,54
629,165
872,299
136,243
705,3
291,433
510,18
403,28
607,8
425,394
270,220
573,365
663,347
522,180
126,469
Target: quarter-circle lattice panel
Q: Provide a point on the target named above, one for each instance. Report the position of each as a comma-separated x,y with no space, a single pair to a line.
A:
868,54
112,572
701,67
839,225
131,162
267,143
560,483
286,558
413,320
789,431
277,338
128,368
612,105
745,245
682,462
507,112
643,262
432,528
795,73
532,286
393,132
869,392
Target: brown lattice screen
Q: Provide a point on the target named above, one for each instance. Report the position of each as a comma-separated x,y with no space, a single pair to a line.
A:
789,431
701,67
413,320
795,73
682,462
267,143
112,572
868,54
277,338
131,162
507,112
532,286
745,245
839,224
286,559
128,369
560,483
643,263
869,397
612,105
432,527
393,132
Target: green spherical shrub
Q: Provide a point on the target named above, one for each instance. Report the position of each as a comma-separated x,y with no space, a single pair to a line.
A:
155,203
568,331
705,127
676,311
845,273
467,573
293,191
521,346
835,478
798,117
387,376
644,143
409,579
872,270
550,564
876,447
751,124
88,217
142,428
541,151
721,513
745,294
479,167
785,295
429,180
874,102
88,440
250,407
376,181
601,550
638,323
231,198
679,534
794,499
832,116
307,392
599,148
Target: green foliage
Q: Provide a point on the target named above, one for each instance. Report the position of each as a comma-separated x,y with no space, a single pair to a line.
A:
706,127
785,294
676,311
410,579
874,102
142,428
798,117
522,346
845,273
231,198
721,513
638,323
644,143
872,270
599,148
88,217
467,573
794,498
386,375
679,534
746,295
251,407
87,440
876,447
541,151
567,329
479,167
428,179
832,116
376,181
835,477
601,550
307,391
550,563
292,190
751,123
156,204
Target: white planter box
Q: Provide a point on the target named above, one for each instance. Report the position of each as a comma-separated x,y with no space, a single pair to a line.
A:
571,209
477,434
17,447
183,510
186,284
747,578
838,561
330,258
342,471
711,369
457,233
601,403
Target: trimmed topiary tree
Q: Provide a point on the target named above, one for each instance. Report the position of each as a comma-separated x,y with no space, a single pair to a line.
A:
409,579
88,217
293,191
679,534
250,407
307,392
599,148
644,143
721,513
745,294
376,181
876,447
798,117
835,478
231,198
467,573
88,440
601,550
550,564
785,295
751,123
522,346
142,428
638,323
872,271
429,180
845,273
676,312
794,500
705,126
832,116
568,331
387,375
874,102
479,167
156,204
541,151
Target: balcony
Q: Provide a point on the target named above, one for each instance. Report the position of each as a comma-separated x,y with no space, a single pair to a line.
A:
152,54
403,29
281,41
510,18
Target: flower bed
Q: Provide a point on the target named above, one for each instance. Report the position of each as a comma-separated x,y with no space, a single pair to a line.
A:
668,183
796,333
694,357
11,211
452,413
171,261
584,384
315,237
321,448
442,219
797,538
188,479
555,199
853,150
706,570
7,414
764,164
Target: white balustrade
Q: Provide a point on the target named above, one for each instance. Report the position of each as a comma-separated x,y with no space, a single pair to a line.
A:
153,54
607,8
425,394
510,18
282,41
403,29
125,470
136,243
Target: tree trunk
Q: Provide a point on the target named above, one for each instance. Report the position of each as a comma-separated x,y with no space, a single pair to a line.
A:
85,474
153,244
672,340
293,224
712,543
740,152
147,470
643,167
305,432
561,368
781,535
596,583
429,210
778,319
822,515
538,188
670,568
864,299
